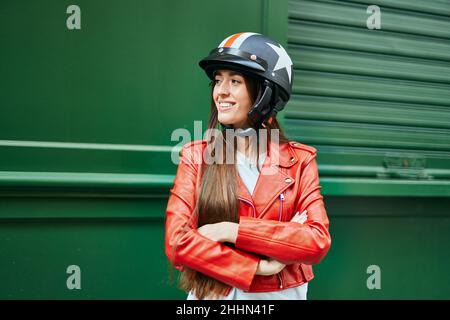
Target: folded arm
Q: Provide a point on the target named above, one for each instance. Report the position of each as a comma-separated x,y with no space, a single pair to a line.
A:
291,242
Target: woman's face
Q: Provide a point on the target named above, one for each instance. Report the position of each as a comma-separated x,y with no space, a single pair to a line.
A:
232,98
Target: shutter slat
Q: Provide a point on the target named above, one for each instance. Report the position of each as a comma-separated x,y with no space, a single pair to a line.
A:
365,111
377,41
352,86
355,15
351,134
435,7
370,64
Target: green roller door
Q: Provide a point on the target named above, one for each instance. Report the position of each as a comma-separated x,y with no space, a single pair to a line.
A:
376,104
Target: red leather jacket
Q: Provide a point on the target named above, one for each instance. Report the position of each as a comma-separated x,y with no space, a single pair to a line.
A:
264,226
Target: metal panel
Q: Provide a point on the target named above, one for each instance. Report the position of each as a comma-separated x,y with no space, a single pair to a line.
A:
376,104
364,94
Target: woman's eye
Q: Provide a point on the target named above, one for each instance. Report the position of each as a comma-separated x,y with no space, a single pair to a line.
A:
233,81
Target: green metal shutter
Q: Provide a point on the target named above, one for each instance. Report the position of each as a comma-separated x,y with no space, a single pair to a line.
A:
374,102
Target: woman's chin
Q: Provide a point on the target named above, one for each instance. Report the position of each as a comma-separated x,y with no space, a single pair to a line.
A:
225,119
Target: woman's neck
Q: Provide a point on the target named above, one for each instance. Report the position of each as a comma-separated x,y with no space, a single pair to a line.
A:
247,146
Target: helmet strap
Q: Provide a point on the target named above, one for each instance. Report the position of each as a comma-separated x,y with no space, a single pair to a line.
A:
261,109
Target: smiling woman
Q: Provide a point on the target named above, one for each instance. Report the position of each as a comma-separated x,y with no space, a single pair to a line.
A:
234,230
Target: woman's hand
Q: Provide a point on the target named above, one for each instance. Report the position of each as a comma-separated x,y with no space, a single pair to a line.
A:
220,232
300,218
269,267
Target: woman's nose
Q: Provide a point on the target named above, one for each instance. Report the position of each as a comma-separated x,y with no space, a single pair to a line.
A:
223,88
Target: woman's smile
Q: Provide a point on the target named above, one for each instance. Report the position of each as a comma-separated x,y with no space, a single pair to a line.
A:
225,106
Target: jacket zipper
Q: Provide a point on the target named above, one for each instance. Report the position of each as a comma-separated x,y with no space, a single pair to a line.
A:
280,214
281,279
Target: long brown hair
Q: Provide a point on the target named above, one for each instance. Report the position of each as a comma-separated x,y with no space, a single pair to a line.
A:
217,197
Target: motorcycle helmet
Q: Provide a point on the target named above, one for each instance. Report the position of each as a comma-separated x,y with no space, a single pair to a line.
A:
260,57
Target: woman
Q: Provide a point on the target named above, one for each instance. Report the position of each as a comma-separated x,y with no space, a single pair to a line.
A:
249,228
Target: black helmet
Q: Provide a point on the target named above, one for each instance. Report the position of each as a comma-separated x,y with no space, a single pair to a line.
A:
256,55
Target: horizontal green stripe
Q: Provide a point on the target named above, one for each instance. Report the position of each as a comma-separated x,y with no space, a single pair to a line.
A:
63,179
88,146
379,187
30,184
70,184
377,172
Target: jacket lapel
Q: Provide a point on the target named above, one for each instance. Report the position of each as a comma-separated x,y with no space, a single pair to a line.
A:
272,180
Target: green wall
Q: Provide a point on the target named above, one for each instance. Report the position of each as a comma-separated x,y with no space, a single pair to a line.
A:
86,118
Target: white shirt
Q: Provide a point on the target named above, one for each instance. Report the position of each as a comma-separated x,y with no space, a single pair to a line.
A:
249,174
248,171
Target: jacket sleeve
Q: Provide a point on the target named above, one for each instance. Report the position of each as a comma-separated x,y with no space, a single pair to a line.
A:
291,242
185,246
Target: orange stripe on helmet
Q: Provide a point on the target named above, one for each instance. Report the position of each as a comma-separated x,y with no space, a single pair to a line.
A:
230,41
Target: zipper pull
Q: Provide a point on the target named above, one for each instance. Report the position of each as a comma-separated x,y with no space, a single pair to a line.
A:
281,280
281,206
